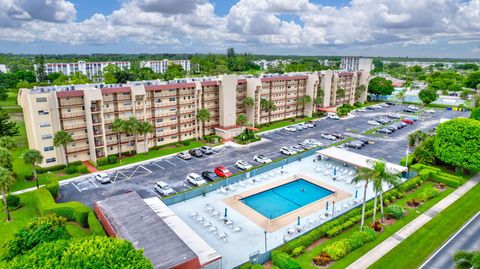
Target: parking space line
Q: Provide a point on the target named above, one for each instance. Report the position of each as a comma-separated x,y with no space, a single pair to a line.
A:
76,187
93,182
157,165
182,160
170,162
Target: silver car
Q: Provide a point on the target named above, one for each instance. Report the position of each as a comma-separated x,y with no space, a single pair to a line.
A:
163,188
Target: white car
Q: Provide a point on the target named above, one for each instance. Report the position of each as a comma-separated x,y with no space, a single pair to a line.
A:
196,179
372,122
287,151
314,142
393,115
431,111
243,165
383,105
290,129
303,125
309,125
377,106
102,178
163,188
260,158
184,155
328,137
361,110
333,116
412,107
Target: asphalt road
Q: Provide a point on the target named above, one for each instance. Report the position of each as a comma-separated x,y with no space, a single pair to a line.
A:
174,170
468,238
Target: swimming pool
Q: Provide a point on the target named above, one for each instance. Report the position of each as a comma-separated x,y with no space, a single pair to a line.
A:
285,198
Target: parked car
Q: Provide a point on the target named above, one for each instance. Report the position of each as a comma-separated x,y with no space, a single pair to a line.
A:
312,122
373,122
391,128
351,144
306,145
365,140
393,115
298,127
290,129
243,165
303,125
403,124
221,171
196,179
195,153
287,151
206,150
309,125
314,142
370,108
430,111
328,137
413,118
383,105
412,107
209,175
184,155
377,106
163,188
260,158
390,103
338,135
408,110
383,120
297,148
333,116
102,178
408,121
361,110
384,131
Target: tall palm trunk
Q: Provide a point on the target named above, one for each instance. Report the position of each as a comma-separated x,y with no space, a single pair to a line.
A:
66,154
381,206
363,206
7,212
119,144
375,206
35,174
146,143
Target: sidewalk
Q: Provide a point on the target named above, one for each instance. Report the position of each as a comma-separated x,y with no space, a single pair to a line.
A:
383,248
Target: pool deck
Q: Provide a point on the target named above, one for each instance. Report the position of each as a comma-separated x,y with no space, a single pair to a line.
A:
273,225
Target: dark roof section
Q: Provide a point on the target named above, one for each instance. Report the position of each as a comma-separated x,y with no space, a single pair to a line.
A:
75,93
133,220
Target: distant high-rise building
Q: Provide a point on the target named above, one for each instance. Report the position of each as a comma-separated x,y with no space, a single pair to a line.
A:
90,69
162,65
357,64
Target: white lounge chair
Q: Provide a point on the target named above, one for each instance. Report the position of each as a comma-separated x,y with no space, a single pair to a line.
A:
194,215
237,229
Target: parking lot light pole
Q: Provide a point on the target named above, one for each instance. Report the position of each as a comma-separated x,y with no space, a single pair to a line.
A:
265,233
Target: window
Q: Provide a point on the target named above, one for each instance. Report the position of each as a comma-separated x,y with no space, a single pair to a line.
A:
44,124
159,120
43,112
125,93
160,139
171,99
173,128
173,137
173,109
50,148
159,130
158,100
47,136
128,114
127,103
50,160
41,99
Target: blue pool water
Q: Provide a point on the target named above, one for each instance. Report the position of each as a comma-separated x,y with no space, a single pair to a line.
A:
285,198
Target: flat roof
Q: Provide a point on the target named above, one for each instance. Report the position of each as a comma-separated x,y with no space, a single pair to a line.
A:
356,159
133,220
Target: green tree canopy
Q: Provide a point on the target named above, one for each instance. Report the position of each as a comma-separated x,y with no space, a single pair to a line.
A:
6,182
242,119
475,114
472,80
33,157
174,71
380,86
7,126
425,152
458,142
428,95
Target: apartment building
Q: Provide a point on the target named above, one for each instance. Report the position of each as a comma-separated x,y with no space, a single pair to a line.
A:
87,111
3,68
90,69
357,64
162,66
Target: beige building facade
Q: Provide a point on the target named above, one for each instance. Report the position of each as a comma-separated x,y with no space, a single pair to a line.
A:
87,111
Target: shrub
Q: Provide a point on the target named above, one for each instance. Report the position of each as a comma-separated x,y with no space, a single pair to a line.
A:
376,226
186,143
413,202
102,161
40,230
338,249
322,259
297,251
95,227
83,170
112,159
71,169
395,211
449,180
403,161
247,265
75,163
284,261
13,200
257,266
53,187
42,170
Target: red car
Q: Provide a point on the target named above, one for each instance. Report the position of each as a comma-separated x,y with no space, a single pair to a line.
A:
407,121
221,171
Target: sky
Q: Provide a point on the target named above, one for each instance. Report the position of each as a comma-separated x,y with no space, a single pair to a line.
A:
413,28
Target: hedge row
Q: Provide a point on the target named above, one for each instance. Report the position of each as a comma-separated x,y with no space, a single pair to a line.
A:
342,247
435,174
72,211
284,261
43,170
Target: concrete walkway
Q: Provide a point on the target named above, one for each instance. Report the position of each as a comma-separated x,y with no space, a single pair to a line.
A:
383,248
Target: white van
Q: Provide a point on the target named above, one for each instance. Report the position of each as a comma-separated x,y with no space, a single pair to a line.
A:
332,116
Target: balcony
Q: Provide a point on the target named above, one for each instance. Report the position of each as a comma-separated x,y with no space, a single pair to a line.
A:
74,126
71,103
70,115
76,149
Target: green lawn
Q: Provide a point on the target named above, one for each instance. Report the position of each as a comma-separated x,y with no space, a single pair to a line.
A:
419,246
152,154
283,123
305,260
75,230
11,100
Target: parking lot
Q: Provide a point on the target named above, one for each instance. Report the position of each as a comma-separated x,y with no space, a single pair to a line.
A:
174,170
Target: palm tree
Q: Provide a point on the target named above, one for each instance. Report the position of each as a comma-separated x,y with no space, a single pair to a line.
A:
382,176
401,95
130,128
7,142
267,106
62,138
203,115
248,101
6,181
242,120
363,175
359,92
304,100
415,138
6,159
118,127
144,128
33,157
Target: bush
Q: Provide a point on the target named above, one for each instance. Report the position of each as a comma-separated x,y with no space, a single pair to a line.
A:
257,266
71,169
112,159
338,249
297,251
247,265
186,143
72,211
404,160
284,261
427,194
42,170
83,170
376,226
413,202
449,180
102,161
95,227
13,200
53,187
40,230
358,104
322,259
75,163
395,211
